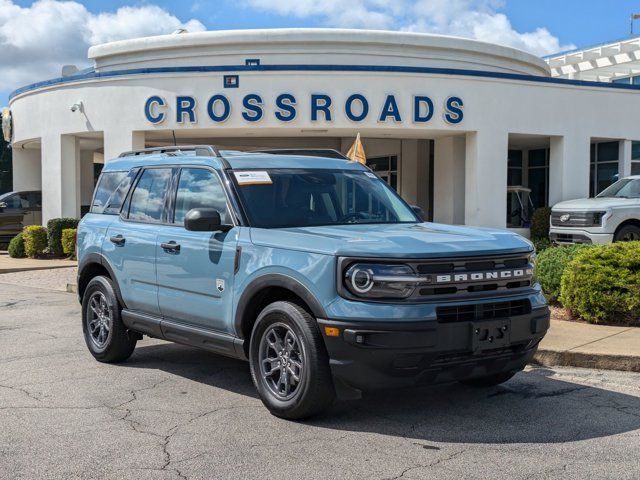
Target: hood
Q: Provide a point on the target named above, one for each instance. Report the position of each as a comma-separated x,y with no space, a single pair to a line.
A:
393,241
589,204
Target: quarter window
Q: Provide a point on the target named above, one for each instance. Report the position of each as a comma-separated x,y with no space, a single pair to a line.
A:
147,201
107,184
199,188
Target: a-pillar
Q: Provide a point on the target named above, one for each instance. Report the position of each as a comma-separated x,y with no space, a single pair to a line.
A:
568,168
448,180
119,141
60,177
485,180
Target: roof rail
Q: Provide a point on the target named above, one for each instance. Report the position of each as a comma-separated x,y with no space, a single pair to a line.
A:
305,152
200,150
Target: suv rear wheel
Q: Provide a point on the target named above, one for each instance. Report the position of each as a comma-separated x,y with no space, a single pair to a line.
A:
289,363
104,333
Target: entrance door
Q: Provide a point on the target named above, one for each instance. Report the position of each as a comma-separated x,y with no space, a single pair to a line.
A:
196,269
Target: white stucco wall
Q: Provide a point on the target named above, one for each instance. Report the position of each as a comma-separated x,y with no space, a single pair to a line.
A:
493,107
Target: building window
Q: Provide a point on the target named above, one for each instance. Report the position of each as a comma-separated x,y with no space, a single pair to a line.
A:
538,177
604,166
386,168
635,158
514,165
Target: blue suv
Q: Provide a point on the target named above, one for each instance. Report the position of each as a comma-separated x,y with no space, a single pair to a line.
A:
310,267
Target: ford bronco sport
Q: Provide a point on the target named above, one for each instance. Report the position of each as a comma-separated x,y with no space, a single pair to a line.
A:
311,268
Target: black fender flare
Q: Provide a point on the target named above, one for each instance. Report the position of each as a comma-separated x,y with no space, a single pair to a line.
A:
275,280
97,258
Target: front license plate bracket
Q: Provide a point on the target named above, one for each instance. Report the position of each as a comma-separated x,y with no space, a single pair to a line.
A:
490,335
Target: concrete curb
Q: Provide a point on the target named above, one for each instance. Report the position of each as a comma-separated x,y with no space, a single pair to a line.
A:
551,358
29,269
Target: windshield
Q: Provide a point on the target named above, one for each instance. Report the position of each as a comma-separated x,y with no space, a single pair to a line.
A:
624,188
278,198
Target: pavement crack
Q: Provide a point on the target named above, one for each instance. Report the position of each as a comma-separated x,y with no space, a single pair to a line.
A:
23,390
428,465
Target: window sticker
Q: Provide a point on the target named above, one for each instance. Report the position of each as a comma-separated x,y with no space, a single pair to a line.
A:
371,175
253,178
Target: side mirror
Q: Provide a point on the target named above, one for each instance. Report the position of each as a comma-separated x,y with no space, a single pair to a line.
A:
204,220
3,205
418,211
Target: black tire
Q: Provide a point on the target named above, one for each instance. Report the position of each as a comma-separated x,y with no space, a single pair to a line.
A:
314,392
627,233
489,380
118,344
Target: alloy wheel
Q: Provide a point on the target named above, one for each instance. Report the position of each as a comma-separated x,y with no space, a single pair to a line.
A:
281,356
99,321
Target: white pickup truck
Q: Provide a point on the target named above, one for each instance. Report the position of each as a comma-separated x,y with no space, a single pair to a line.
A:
612,216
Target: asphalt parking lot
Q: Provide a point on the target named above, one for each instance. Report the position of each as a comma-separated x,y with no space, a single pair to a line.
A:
177,412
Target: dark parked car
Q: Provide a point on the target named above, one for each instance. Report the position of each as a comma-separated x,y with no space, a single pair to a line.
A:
17,210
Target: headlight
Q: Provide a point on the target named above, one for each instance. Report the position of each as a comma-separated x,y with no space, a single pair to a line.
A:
597,218
368,280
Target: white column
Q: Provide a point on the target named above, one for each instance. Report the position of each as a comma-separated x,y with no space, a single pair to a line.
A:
448,180
624,158
486,178
27,170
60,177
568,168
119,141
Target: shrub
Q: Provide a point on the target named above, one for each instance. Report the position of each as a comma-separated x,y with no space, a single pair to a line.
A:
550,265
35,240
69,241
541,244
602,285
54,229
16,247
540,223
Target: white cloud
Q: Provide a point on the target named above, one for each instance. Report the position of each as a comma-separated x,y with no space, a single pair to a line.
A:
36,41
479,19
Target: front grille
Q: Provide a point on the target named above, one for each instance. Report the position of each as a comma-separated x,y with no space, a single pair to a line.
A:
461,273
482,311
568,238
572,219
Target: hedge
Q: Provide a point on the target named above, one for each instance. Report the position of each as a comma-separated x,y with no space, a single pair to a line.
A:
540,223
69,241
16,247
35,240
551,264
55,226
602,285
541,244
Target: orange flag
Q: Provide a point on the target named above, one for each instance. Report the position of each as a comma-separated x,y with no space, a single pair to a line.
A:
356,152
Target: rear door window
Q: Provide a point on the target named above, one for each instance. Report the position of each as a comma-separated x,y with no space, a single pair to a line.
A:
148,198
200,188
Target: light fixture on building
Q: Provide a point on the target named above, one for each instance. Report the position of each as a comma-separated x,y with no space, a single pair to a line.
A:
77,107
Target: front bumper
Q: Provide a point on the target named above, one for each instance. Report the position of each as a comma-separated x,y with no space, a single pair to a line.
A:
565,236
375,355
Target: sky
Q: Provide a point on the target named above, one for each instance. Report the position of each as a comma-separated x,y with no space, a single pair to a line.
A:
37,38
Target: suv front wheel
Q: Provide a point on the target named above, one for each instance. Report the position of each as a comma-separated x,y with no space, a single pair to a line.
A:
289,363
104,333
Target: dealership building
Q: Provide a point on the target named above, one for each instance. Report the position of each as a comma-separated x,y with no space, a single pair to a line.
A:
456,126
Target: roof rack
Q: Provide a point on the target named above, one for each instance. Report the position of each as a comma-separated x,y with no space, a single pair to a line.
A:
200,150
305,152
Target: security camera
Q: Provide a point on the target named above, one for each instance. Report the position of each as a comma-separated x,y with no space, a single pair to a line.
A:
76,106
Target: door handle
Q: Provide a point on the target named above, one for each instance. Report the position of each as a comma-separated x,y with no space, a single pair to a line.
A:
171,246
117,239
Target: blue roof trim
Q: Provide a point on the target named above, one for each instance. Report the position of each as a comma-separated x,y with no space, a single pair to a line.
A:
92,74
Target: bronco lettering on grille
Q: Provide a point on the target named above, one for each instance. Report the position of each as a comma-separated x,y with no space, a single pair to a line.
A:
483,276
